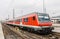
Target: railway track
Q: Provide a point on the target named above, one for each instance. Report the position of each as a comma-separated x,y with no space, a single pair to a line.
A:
9,34
21,34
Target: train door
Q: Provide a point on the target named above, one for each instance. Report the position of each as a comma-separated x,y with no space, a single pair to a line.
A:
34,20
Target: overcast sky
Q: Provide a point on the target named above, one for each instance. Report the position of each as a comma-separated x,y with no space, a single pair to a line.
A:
23,7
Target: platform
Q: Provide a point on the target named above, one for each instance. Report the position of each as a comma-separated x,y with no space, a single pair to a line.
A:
56,27
1,32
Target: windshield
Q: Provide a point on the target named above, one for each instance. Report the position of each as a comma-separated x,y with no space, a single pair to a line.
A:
43,17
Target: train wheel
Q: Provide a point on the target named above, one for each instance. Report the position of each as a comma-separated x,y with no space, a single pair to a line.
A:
29,29
50,32
32,30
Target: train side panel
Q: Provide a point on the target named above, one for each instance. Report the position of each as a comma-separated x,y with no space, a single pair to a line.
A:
31,20
17,21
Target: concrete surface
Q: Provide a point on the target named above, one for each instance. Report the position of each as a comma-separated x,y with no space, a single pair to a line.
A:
55,24
56,27
1,32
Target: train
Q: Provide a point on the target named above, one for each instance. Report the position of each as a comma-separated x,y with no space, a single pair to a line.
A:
39,22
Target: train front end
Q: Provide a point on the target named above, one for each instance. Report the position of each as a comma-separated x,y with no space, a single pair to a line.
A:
44,22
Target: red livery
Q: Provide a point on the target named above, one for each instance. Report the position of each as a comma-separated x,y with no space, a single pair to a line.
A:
34,21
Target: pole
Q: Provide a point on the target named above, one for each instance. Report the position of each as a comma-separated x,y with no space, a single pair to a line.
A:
8,17
44,9
13,13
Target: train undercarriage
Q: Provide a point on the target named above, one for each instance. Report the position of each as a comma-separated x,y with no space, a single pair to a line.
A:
41,30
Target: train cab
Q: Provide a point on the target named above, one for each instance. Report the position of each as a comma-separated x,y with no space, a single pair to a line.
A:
37,21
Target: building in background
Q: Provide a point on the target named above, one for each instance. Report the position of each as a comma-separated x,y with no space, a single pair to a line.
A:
55,19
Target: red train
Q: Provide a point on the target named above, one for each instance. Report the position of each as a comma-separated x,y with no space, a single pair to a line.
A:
35,21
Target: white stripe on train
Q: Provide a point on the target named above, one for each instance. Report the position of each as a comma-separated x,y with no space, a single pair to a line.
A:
32,26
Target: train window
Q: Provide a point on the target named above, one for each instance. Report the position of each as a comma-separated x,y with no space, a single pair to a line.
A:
25,19
33,17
